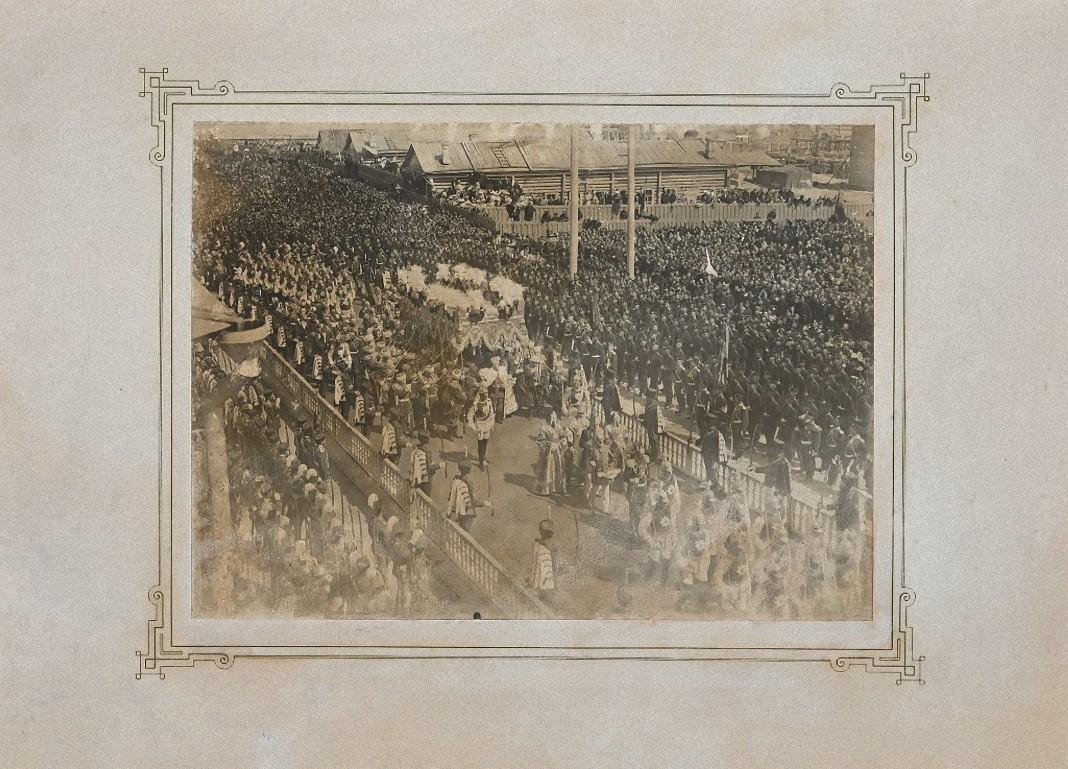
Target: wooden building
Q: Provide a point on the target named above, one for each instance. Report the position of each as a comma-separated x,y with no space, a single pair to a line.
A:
542,168
784,177
332,141
365,146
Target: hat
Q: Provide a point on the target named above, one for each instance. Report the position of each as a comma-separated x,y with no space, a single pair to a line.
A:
464,468
545,528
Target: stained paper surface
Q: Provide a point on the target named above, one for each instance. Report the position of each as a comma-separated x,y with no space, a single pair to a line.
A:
954,659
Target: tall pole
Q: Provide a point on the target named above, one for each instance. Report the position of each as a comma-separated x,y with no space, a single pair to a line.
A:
630,202
573,212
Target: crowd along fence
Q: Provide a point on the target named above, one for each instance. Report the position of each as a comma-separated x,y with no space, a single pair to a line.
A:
507,594
469,556
686,458
669,215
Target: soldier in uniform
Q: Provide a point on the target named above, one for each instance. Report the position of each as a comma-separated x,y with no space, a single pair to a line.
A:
320,457
496,395
831,451
390,446
739,425
421,468
855,452
667,376
692,386
611,400
611,360
595,352
777,473
481,417
653,421
462,505
809,445
711,456
679,377
703,410
542,574
420,407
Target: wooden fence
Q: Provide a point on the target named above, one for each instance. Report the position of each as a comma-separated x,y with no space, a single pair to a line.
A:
674,215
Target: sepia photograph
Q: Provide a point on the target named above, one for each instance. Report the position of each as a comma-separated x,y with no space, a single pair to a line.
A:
515,371
653,384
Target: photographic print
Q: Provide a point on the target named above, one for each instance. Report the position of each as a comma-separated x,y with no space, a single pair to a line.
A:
533,371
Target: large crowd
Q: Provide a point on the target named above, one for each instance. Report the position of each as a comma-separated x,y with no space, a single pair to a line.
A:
764,195
294,554
479,192
760,333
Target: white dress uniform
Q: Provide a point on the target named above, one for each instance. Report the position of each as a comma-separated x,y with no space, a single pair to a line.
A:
389,440
461,504
419,471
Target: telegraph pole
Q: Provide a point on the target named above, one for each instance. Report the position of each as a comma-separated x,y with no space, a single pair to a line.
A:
573,210
630,202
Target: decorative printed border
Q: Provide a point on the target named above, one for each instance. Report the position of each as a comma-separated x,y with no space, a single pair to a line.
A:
160,652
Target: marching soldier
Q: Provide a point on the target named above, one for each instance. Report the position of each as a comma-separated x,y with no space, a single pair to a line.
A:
481,417
542,574
462,504
420,468
390,449
654,424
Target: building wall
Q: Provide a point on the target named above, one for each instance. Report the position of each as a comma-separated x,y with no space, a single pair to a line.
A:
685,181
862,158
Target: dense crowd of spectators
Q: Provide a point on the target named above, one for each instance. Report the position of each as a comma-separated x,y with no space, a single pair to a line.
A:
763,195
760,332
294,554
797,296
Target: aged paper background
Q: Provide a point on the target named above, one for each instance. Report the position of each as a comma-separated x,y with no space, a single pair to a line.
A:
985,489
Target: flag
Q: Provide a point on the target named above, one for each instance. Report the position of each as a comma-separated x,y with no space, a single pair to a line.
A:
710,271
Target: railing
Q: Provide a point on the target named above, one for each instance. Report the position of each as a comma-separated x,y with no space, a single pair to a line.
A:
686,458
480,567
508,595
672,215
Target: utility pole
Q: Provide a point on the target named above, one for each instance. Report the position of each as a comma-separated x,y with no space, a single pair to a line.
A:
573,209
630,202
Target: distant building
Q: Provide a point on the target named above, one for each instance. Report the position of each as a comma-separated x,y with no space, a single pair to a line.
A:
332,141
784,177
367,146
862,158
543,168
747,163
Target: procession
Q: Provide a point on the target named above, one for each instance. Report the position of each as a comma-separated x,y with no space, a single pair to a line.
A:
441,400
